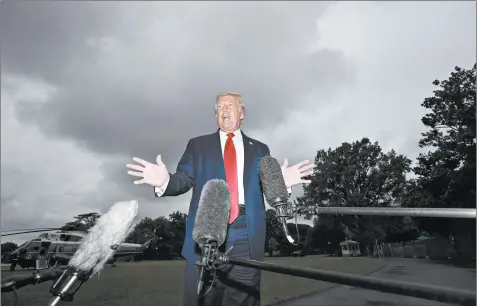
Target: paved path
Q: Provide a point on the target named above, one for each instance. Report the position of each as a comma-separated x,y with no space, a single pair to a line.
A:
411,270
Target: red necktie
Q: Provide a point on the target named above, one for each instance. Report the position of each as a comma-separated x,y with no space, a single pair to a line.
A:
230,164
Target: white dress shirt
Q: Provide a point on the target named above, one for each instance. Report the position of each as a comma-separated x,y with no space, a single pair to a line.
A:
239,151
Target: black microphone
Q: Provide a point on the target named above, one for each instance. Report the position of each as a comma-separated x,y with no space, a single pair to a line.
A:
211,221
275,190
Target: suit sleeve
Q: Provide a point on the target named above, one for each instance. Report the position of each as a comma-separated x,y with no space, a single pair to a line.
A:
184,178
266,151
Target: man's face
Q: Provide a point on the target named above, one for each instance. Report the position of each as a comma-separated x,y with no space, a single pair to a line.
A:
229,114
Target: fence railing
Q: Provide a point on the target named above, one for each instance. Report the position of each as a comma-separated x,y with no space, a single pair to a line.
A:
435,248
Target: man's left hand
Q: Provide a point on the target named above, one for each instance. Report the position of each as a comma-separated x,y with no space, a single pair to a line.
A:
294,175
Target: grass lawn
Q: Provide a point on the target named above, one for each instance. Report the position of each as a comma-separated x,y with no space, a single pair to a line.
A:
155,283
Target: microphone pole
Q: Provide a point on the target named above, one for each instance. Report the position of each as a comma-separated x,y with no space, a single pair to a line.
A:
37,277
436,293
462,213
429,292
68,284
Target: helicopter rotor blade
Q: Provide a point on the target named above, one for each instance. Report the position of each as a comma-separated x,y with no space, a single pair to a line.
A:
27,229
33,231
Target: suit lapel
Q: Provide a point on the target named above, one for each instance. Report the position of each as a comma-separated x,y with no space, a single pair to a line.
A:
248,160
217,151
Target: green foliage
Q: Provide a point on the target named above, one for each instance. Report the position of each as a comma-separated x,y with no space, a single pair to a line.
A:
273,228
327,233
7,247
446,174
356,175
272,246
168,234
82,222
359,174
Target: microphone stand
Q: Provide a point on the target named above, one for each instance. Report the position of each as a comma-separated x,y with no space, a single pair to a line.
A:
210,260
209,248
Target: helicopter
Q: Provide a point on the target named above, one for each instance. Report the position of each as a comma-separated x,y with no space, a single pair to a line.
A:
58,247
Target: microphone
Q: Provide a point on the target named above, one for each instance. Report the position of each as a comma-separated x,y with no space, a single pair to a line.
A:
37,277
211,221
275,190
98,246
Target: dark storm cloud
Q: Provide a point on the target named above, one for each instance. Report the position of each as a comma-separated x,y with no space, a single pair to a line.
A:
86,86
140,86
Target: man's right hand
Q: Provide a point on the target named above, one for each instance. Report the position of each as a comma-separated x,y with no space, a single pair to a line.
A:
155,175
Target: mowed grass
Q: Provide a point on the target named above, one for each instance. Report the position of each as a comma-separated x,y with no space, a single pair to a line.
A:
155,283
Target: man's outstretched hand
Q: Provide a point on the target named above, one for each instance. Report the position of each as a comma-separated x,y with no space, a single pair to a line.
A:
153,174
294,175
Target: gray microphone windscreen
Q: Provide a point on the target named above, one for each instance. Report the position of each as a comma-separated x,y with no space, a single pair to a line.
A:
111,228
212,216
273,183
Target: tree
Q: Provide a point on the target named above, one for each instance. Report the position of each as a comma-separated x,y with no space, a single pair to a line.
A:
168,232
142,232
177,222
400,229
273,228
272,246
309,240
275,233
284,246
82,222
446,174
8,247
357,175
328,232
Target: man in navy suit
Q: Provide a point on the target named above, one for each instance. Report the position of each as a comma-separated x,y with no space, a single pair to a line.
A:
230,155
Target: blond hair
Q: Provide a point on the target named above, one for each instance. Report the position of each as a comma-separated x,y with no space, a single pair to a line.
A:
232,94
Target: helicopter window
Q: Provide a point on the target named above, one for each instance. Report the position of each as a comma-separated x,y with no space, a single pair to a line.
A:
67,248
62,248
33,246
75,238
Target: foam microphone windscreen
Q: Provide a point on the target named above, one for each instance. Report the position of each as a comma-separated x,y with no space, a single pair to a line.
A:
212,216
273,183
112,228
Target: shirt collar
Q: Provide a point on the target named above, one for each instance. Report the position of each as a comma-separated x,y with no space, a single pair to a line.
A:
237,133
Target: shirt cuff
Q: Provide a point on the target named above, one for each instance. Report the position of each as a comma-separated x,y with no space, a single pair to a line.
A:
159,191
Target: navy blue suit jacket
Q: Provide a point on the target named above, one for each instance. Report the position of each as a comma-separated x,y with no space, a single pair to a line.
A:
203,161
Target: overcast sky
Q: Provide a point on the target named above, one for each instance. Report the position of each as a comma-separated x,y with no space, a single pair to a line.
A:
86,86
